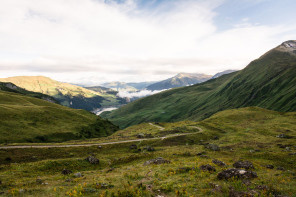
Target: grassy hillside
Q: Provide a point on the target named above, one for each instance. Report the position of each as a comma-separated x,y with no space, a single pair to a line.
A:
67,94
28,119
267,82
248,134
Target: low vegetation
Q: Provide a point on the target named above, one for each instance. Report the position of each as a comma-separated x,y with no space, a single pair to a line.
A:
173,166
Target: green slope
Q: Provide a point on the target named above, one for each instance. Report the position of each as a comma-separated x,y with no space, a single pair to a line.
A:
67,94
268,82
28,119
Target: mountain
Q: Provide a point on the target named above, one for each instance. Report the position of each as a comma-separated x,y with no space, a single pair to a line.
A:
268,82
141,85
180,80
10,87
119,86
219,74
27,119
67,94
102,90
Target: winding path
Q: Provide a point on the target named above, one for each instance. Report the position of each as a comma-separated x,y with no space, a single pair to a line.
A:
99,144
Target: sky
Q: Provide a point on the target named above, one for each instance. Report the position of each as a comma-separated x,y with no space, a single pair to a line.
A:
94,41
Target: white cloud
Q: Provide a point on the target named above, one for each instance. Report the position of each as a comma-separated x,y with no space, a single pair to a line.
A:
139,94
74,40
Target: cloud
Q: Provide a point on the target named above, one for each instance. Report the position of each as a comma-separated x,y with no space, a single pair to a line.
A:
74,40
139,94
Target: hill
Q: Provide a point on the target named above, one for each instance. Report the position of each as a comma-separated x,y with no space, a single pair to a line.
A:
68,95
171,166
119,86
219,74
28,119
267,82
180,80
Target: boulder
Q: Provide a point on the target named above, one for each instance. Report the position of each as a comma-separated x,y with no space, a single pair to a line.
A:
66,172
158,160
212,147
149,148
78,175
269,166
92,160
284,136
140,135
236,173
39,181
218,162
208,167
243,164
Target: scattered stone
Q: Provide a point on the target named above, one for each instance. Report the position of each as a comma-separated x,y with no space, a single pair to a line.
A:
140,135
148,135
158,160
254,151
215,138
280,168
99,147
39,181
104,186
69,180
234,193
243,164
218,162
212,147
110,170
133,146
236,173
208,167
216,188
78,175
66,172
149,148
284,136
21,191
262,187
294,153
0,182
247,182
269,166
92,160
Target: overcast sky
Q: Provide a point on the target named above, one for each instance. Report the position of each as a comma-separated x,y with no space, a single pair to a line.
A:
94,41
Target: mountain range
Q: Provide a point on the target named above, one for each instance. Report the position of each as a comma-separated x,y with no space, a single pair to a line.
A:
267,82
67,94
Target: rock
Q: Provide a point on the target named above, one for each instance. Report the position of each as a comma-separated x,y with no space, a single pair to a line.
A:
215,138
69,180
208,167
149,148
294,153
284,136
148,135
89,190
251,193
0,182
104,186
218,162
243,164
99,147
158,160
262,187
21,191
78,175
110,170
236,173
66,172
92,160
39,181
133,146
204,156
280,168
216,188
212,147
269,166
140,135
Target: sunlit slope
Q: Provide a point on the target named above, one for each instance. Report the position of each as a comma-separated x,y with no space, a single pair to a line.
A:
268,82
67,94
28,119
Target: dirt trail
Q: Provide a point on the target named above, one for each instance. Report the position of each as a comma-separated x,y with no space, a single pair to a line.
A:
159,127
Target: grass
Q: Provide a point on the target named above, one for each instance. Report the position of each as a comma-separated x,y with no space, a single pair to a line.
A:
28,119
267,82
121,171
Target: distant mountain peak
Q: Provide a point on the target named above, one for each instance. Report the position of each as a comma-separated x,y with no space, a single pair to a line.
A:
288,46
